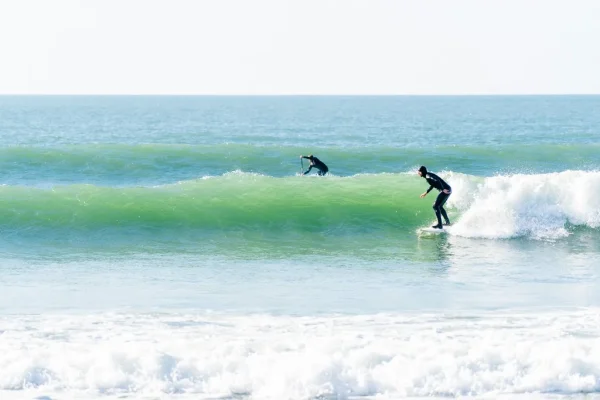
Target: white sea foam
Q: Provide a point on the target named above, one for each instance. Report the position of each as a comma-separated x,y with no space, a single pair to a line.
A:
537,206
282,357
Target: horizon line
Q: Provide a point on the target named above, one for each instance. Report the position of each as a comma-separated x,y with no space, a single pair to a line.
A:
303,94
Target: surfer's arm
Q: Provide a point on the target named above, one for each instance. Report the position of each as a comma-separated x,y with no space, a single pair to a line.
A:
308,170
427,192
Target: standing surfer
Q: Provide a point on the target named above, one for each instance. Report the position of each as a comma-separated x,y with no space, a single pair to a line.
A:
445,192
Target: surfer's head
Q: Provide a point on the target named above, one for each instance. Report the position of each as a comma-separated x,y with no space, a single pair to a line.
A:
422,171
310,157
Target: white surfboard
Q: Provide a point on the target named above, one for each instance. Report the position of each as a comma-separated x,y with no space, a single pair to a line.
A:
431,231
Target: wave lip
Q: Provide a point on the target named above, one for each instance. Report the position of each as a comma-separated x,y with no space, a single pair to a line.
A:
264,356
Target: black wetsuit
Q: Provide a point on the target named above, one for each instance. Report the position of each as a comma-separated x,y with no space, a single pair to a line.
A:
441,185
318,164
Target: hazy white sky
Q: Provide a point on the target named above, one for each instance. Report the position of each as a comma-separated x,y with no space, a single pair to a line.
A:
299,46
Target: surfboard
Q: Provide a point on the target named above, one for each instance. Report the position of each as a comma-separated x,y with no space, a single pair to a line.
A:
431,231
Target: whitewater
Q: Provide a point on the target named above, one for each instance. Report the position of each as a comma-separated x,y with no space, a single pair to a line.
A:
164,247
215,355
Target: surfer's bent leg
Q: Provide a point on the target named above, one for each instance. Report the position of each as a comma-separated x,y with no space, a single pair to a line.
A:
438,207
443,210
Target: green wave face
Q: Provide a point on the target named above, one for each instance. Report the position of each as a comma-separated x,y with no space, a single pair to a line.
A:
238,212
235,201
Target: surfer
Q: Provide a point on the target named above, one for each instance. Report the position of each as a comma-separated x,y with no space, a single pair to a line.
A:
445,192
318,164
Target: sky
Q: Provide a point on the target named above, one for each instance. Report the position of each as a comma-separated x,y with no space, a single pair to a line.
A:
266,47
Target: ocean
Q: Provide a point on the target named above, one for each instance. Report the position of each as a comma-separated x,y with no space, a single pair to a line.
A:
168,247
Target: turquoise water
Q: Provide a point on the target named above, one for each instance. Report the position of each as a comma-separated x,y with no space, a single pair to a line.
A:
168,247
